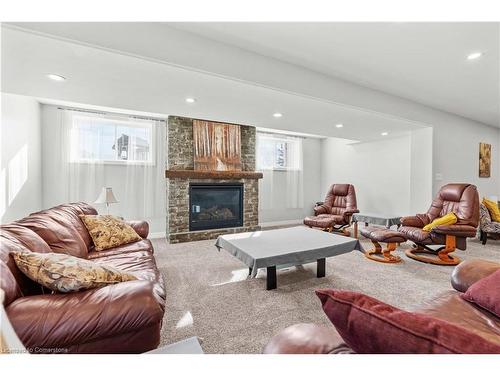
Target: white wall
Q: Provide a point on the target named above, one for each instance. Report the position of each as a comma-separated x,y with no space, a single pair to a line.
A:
379,171
456,153
421,172
311,151
20,173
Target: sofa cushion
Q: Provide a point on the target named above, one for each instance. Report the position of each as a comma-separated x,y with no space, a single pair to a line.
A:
108,231
65,273
61,228
370,326
143,245
486,293
103,320
141,264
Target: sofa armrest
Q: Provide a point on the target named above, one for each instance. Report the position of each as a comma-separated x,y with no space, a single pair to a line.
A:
417,221
307,339
456,230
141,227
470,271
64,320
322,209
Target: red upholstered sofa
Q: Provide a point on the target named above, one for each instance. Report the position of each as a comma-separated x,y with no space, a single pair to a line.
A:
448,306
120,318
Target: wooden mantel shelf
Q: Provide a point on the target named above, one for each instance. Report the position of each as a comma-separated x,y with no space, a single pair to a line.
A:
212,175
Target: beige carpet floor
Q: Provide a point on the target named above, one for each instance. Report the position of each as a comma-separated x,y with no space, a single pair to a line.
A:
209,295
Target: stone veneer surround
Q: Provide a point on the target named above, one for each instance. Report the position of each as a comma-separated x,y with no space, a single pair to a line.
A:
180,157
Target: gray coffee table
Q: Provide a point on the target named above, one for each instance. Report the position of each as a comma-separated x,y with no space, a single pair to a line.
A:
375,218
285,247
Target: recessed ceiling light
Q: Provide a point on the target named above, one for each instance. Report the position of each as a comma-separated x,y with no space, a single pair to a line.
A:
339,125
384,133
474,55
277,115
56,77
190,100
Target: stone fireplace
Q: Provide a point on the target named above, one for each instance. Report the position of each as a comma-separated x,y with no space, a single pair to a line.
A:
205,204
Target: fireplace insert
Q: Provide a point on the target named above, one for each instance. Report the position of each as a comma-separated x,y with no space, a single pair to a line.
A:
213,206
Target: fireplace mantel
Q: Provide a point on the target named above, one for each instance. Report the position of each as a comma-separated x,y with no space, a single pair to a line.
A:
212,175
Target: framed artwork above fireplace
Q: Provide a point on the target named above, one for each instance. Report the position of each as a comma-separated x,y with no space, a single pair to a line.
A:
217,146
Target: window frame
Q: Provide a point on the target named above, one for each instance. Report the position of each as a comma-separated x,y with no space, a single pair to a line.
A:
276,138
117,121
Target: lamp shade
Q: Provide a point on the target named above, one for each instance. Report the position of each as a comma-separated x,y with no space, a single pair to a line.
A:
106,196
9,342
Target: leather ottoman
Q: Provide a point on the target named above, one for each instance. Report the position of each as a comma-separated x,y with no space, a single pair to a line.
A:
391,238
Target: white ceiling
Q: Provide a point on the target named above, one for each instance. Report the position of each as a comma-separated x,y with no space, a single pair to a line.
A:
102,78
424,62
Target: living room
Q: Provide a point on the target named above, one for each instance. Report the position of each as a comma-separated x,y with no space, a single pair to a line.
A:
238,188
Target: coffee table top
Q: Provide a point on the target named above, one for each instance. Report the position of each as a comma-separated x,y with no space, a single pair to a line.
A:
377,218
290,246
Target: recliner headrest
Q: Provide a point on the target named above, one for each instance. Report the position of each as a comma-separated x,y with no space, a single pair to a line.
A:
340,189
452,192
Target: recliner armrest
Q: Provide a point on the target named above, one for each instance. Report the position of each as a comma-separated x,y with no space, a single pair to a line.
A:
456,230
322,209
348,213
141,227
470,271
416,221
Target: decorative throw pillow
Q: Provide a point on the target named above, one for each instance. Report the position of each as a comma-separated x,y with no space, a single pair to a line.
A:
493,209
370,326
486,293
65,273
109,231
447,219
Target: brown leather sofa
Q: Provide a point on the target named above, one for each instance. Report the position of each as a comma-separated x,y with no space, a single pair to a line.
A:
120,318
448,306
463,200
334,214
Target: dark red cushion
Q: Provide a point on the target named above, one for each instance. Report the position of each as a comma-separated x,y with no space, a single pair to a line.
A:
486,293
371,326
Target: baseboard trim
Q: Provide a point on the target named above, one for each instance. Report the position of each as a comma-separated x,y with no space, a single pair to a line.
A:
156,235
283,222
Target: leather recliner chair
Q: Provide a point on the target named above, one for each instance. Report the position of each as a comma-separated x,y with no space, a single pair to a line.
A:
334,214
461,199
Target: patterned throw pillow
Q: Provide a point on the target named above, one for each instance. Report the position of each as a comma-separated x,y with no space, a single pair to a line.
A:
109,231
65,273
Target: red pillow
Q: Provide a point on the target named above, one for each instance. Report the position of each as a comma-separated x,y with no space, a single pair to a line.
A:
486,293
370,326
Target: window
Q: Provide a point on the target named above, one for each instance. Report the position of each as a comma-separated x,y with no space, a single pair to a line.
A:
277,152
111,140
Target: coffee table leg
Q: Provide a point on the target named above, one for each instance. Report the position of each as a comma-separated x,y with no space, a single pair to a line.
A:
250,269
321,267
271,278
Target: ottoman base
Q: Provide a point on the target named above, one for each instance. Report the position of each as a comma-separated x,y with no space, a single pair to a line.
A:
440,257
383,255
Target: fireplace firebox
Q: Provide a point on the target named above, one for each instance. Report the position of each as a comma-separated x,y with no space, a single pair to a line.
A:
213,206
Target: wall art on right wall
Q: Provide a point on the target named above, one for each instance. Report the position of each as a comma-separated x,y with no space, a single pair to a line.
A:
484,160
